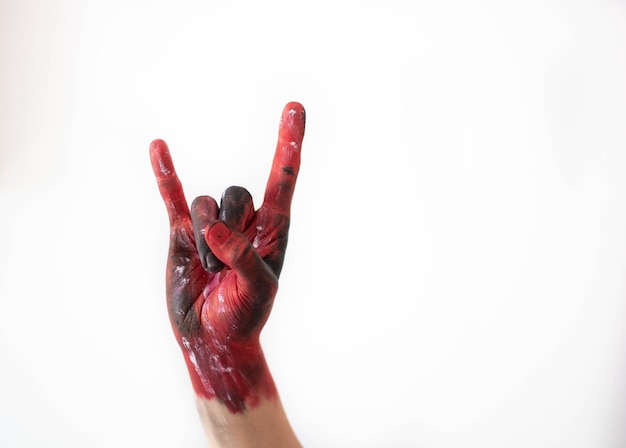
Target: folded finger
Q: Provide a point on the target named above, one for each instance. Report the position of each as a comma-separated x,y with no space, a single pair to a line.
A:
237,208
255,279
204,211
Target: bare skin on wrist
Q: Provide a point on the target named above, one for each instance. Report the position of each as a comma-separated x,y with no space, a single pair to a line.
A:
265,425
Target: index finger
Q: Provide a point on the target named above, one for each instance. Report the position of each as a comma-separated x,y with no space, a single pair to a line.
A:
286,164
169,185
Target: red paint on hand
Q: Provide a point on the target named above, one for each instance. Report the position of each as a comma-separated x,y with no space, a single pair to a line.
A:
218,233
222,271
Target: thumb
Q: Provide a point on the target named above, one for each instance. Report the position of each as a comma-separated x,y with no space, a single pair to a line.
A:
254,276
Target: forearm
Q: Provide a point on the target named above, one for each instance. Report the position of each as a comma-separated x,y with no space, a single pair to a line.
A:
235,394
264,425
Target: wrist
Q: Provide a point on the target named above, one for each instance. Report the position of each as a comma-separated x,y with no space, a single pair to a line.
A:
234,374
264,426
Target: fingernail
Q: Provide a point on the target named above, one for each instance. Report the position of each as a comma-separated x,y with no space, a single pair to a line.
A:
212,264
219,232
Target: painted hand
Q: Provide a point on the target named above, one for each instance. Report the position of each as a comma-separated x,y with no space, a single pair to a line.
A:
222,271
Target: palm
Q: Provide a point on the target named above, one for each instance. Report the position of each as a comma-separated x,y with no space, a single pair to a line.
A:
200,300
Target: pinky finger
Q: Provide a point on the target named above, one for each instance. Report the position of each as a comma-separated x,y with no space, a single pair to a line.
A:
169,185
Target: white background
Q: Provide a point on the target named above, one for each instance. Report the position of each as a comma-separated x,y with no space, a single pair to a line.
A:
456,274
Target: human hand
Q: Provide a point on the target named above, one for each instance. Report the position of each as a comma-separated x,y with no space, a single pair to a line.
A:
222,270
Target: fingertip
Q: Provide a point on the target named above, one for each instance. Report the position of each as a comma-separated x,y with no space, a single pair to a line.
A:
211,263
204,207
157,147
293,105
157,142
217,236
217,233
161,159
292,122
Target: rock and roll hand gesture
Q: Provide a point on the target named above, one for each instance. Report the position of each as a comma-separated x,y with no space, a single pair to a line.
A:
222,270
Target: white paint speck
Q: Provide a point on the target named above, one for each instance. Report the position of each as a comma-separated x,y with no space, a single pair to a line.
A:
164,170
192,355
257,237
194,361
